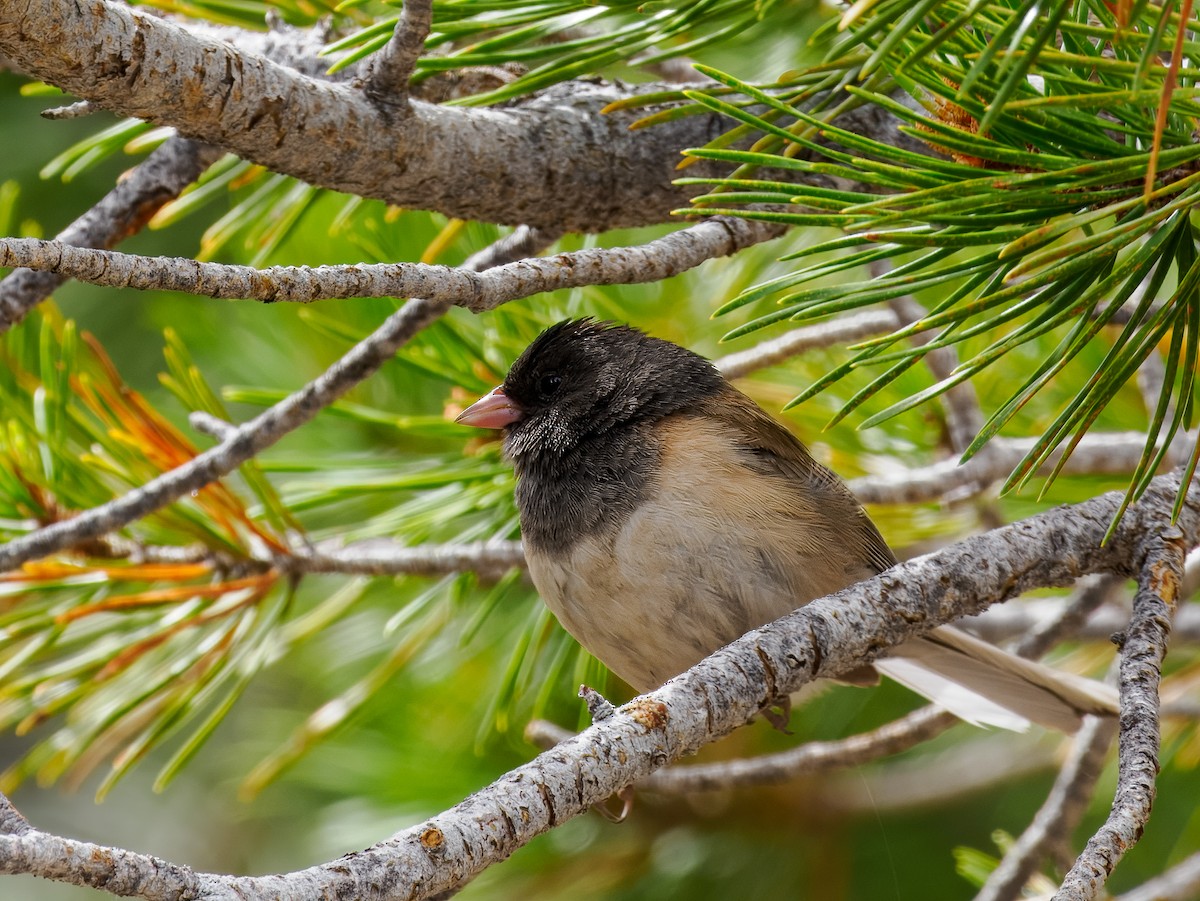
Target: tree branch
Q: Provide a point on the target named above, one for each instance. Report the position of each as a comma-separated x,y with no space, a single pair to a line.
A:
816,757
164,174
1061,812
487,164
1142,651
1091,593
377,558
477,291
826,637
813,757
1001,623
1096,454
546,161
392,67
978,764
521,243
244,442
1180,883
125,874
791,344
11,821
964,417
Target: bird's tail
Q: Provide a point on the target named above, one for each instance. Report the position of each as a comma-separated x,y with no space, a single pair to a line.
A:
985,685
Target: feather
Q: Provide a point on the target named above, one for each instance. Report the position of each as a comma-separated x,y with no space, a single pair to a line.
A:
665,514
981,672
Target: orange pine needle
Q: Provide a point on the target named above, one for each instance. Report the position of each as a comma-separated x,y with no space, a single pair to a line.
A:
166,596
129,655
1160,120
139,572
135,423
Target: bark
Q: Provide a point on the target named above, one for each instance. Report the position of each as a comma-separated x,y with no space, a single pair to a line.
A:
827,637
553,161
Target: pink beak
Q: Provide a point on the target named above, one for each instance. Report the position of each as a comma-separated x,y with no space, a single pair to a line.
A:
492,411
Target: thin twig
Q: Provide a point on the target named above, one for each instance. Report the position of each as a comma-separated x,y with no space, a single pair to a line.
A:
813,757
390,558
207,424
1180,883
243,443
393,66
971,766
11,820
964,416
71,111
1022,617
522,242
1142,652
477,291
768,769
1181,709
1060,813
1092,593
1151,379
1097,453
798,341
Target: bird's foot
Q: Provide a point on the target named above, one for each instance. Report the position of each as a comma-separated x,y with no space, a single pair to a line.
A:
625,796
778,712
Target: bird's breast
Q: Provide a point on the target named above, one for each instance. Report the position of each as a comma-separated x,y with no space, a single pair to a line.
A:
711,551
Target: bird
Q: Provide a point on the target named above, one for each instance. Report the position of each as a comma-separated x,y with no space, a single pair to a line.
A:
664,514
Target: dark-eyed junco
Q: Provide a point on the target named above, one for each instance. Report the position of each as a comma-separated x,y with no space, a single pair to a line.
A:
664,514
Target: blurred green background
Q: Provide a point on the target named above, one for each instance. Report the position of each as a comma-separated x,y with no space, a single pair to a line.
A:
449,719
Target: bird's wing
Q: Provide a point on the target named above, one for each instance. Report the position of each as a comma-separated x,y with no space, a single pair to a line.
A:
975,680
771,449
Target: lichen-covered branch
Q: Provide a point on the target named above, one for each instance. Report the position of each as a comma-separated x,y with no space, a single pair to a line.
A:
462,286
1143,647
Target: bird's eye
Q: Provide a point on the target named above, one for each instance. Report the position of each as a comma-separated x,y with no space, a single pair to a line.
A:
548,384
